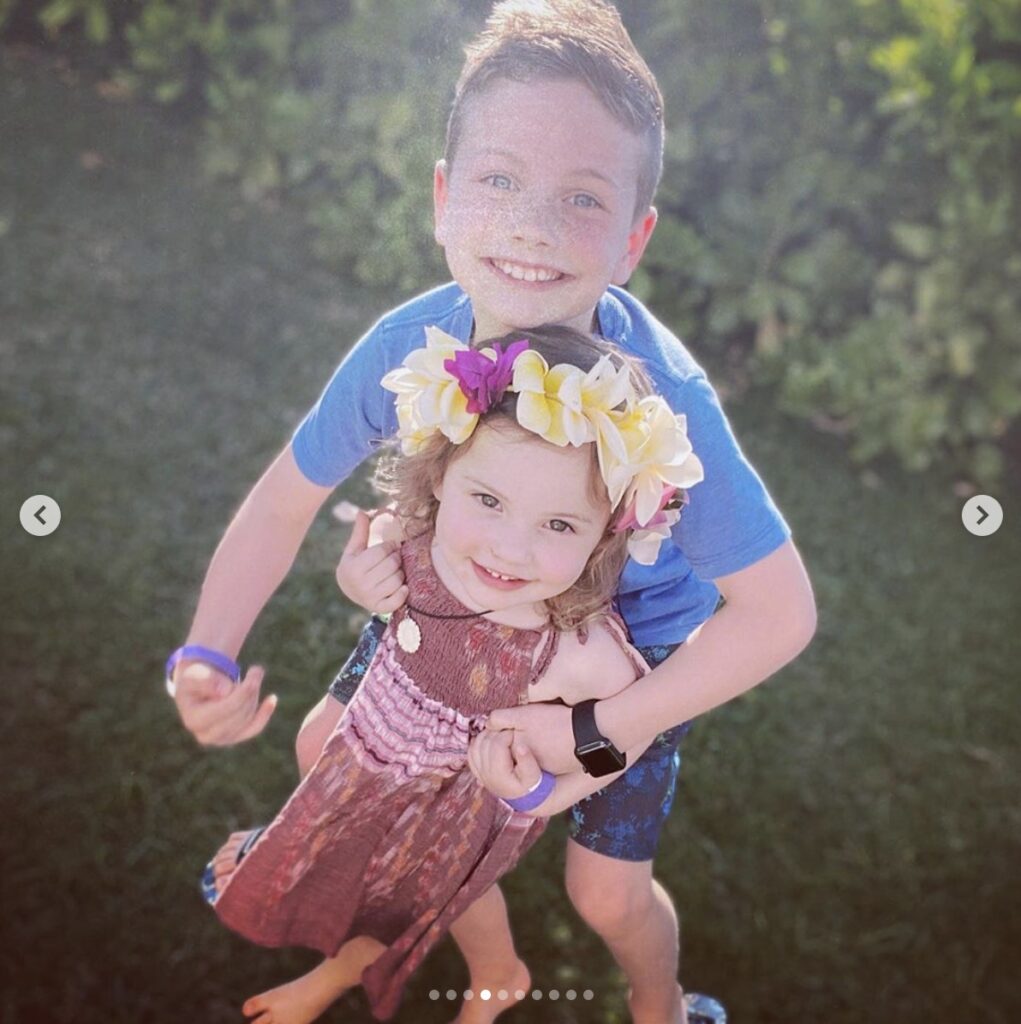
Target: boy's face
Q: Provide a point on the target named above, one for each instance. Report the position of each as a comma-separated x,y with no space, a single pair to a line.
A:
537,213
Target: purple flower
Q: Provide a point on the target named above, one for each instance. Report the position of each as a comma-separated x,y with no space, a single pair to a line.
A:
484,380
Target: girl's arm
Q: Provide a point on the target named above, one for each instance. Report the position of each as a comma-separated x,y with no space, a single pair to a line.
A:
369,573
768,619
602,666
506,767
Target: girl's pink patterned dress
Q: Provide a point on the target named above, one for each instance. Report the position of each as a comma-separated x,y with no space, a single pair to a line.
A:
390,835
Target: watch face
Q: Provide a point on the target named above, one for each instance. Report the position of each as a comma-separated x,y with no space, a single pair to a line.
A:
600,759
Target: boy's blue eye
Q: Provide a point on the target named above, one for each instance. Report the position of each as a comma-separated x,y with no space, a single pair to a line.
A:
498,181
488,500
559,526
586,202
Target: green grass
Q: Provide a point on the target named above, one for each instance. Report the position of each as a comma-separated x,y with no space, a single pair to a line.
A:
846,838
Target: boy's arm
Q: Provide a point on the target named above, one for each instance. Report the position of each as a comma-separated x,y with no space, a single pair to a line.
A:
602,666
251,561
502,762
768,619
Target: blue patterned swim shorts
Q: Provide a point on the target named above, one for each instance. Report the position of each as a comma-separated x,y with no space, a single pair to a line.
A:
623,820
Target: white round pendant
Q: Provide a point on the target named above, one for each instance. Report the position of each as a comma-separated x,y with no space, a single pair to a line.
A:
409,636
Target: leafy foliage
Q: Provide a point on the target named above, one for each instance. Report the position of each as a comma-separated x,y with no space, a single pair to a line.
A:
840,206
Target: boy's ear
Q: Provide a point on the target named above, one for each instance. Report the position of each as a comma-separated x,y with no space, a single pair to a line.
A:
440,190
637,240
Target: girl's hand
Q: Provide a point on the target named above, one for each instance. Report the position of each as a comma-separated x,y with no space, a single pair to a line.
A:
545,730
217,711
371,575
502,762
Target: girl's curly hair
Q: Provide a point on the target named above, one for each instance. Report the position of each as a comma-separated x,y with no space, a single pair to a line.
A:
410,481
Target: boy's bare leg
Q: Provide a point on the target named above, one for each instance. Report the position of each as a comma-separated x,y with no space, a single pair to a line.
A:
304,999
483,935
632,913
315,730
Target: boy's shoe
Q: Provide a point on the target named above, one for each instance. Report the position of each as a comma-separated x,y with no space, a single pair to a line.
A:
704,1009
207,884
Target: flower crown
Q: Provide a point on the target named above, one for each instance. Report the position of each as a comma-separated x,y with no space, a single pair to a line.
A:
645,457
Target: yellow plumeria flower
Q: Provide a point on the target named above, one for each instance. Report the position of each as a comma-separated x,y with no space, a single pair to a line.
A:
646,447
563,404
429,398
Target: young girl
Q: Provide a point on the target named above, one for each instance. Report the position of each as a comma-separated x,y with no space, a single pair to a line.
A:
526,469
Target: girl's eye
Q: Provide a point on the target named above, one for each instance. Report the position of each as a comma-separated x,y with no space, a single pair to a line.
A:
488,500
559,526
585,201
498,181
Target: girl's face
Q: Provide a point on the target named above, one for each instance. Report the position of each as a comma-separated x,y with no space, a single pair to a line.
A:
517,522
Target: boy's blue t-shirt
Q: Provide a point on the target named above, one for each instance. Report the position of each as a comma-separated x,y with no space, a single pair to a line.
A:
729,523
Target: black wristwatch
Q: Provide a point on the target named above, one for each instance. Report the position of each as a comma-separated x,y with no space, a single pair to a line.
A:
597,754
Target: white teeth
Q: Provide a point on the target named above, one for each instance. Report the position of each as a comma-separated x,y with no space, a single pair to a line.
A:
520,273
500,576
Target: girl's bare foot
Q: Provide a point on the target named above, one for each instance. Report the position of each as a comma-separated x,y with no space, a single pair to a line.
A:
494,994
304,999
226,859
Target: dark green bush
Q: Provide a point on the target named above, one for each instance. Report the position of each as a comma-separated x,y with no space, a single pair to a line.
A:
840,208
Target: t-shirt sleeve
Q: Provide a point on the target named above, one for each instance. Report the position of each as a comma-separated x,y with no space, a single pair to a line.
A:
730,521
350,418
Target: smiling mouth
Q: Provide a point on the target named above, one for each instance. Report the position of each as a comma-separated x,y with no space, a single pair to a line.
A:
526,273
498,579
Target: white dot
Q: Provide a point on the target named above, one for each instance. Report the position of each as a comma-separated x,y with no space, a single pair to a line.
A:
536,994
520,993
451,994
434,994
502,994
570,993
554,994
587,994
468,994
485,994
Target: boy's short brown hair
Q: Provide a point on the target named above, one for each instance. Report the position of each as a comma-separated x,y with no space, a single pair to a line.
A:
580,40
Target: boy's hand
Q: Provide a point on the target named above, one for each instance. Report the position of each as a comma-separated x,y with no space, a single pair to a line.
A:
502,762
545,730
371,576
217,711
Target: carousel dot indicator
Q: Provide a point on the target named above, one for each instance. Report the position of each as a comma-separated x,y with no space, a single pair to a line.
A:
588,994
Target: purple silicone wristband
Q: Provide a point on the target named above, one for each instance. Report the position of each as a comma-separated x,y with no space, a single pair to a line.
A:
226,665
535,796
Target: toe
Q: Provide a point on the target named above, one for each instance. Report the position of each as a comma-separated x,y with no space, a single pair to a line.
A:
254,1005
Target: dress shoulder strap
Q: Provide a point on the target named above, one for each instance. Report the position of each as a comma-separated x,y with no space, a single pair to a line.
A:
618,630
546,652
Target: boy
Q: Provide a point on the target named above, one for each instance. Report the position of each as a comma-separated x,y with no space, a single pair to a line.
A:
542,204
